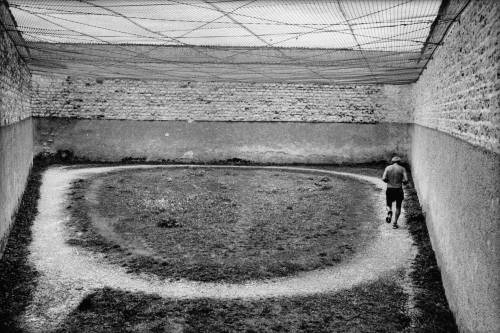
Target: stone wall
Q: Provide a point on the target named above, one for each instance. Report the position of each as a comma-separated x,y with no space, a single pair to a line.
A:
218,101
454,146
16,130
15,78
458,93
457,166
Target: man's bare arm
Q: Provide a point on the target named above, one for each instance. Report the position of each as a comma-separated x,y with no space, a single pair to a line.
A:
384,176
405,177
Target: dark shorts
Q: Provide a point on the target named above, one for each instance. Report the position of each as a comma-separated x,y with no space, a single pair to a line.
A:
394,194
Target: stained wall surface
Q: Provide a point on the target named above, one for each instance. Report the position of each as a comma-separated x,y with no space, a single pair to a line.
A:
16,131
261,142
455,163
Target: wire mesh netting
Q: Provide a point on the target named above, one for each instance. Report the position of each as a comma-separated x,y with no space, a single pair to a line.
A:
385,41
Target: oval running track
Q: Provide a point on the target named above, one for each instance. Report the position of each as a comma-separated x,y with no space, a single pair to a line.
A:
68,273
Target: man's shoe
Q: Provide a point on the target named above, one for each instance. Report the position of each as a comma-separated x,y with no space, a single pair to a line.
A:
395,226
389,217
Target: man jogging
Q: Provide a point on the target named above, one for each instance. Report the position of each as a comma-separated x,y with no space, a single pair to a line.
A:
394,175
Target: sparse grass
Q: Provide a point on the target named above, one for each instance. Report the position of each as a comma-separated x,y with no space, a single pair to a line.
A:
222,224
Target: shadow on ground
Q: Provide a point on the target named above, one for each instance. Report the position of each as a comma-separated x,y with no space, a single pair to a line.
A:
430,299
17,276
373,307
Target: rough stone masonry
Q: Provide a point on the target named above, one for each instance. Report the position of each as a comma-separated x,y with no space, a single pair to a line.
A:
15,78
219,101
459,92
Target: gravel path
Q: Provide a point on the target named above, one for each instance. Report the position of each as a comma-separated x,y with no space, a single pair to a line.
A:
69,273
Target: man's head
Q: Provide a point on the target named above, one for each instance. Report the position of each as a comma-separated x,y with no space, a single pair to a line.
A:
396,159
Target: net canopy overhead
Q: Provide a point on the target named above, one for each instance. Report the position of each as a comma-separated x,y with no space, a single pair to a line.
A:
357,41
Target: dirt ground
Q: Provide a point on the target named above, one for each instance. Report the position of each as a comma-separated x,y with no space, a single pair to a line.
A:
385,305
222,224
375,307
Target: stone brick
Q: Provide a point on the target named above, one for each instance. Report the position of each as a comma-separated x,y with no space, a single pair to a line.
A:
218,101
458,93
15,78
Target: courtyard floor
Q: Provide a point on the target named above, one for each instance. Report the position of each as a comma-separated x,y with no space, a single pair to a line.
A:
155,248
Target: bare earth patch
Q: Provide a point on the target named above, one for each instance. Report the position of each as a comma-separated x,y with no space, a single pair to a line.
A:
221,224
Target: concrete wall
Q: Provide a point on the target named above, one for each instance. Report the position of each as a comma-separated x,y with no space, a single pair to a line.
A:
218,101
181,141
16,130
456,167
458,187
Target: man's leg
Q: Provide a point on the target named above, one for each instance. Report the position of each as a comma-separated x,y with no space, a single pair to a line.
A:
399,201
398,212
388,200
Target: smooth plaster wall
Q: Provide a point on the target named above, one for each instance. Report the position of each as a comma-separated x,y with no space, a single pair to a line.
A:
458,187
16,154
262,142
